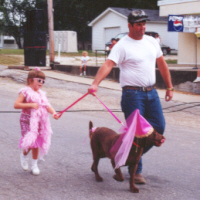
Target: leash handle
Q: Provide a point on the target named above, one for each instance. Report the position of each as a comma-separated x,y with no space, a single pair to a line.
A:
109,110
61,112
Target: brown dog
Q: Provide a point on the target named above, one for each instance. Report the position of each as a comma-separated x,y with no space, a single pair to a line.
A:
102,140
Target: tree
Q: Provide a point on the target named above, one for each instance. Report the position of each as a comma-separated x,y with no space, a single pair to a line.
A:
75,14
68,14
14,17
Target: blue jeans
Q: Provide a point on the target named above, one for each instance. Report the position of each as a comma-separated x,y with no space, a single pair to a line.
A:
150,108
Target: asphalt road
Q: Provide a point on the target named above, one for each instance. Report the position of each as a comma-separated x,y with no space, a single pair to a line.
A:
171,171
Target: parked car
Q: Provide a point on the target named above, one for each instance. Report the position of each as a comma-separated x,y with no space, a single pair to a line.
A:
165,49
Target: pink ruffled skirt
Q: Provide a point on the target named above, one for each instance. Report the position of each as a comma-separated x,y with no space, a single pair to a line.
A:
25,128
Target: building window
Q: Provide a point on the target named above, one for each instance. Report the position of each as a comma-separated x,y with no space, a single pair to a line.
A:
9,41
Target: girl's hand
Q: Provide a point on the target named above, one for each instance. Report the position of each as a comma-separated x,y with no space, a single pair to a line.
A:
35,106
56,116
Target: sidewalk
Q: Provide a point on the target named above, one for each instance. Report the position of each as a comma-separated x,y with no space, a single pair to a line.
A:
178,96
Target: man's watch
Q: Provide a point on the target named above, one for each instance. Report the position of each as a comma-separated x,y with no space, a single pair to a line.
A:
170,89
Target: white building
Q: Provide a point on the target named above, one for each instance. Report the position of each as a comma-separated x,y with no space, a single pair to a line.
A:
67,41
188,43
7,42
114,21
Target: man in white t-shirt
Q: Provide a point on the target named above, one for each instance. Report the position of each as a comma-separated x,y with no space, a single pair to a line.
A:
137,54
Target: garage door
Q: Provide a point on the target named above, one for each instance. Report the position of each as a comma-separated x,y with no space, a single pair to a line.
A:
111,33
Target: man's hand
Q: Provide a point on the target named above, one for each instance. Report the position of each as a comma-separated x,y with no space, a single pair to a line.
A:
92,89
169,95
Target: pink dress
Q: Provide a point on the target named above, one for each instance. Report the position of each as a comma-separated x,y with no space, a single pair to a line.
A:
35,125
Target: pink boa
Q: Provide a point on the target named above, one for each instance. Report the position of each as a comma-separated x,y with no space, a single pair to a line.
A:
39,134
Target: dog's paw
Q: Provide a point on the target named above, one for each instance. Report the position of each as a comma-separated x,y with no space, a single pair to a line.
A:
134,189
117,178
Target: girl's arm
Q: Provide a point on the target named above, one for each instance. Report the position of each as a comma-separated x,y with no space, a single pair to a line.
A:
19,103
53,112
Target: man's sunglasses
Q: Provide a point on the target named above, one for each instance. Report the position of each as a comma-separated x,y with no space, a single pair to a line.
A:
139,13
40,80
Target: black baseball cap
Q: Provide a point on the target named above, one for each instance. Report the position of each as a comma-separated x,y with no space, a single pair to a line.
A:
137,16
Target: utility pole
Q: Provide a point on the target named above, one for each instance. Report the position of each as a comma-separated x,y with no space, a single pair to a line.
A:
51,29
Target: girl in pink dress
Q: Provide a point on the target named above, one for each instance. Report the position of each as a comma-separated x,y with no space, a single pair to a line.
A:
35,125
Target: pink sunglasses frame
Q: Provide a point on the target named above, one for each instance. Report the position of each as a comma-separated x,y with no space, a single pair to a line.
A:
40,80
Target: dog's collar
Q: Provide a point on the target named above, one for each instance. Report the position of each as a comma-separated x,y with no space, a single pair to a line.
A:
136,144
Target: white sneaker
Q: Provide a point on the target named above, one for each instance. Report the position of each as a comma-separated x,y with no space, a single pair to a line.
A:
81,74
196,80
34,168
24,162
84,73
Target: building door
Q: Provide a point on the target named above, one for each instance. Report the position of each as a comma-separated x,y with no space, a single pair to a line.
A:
111,33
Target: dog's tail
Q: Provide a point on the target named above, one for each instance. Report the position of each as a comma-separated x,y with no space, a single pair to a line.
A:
90,125
91,129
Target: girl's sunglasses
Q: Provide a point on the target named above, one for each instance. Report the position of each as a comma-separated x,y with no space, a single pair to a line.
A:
40,80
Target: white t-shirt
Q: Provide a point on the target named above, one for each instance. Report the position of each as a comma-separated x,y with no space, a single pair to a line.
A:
84,59
136,60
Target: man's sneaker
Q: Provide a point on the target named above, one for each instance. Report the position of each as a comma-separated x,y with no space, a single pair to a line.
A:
139,179
34,168
84,73
24,162
81,74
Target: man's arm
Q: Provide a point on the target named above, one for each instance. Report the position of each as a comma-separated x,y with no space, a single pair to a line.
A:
103,71
162,65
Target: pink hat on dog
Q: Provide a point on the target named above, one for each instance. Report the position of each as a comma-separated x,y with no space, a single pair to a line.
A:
136,125
143,128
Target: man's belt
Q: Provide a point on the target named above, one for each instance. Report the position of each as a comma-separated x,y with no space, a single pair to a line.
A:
144,89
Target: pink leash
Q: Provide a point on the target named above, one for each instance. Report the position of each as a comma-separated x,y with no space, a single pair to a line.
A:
61,112
109,110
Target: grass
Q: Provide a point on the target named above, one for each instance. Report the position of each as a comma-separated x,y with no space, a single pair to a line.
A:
171,61
10,60
12,51
6,59
21,52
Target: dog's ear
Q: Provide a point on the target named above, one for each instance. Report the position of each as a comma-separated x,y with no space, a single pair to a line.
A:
90,125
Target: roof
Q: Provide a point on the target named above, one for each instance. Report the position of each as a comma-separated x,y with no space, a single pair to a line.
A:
124,12
167,2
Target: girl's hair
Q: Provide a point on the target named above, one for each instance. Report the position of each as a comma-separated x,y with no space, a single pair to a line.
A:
35,74
85,52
